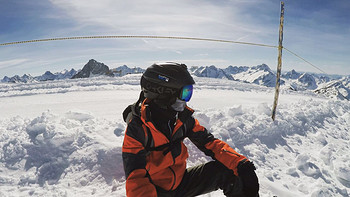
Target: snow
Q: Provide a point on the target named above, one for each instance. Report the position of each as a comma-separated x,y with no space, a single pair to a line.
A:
64,138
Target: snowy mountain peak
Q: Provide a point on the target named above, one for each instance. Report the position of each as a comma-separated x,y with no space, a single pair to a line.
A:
93,68
262,67
46,76
261,75
6,79
17,79
124,70
324,79
291,75
49,76
211,72
308,80
48,73
236,69
66,74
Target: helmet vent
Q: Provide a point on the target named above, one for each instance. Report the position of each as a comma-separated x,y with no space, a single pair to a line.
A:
164,78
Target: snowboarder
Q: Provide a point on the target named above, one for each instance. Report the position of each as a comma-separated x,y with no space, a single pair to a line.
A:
154,155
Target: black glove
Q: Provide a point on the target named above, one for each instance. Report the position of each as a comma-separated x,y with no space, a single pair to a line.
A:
249,179
232,186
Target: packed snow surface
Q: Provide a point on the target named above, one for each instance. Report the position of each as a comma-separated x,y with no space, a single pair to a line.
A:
64,138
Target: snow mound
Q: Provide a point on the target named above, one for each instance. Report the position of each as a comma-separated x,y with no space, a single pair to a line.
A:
297,151
62,154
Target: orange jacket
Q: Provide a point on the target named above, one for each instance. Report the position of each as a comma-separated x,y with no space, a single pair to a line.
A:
152,160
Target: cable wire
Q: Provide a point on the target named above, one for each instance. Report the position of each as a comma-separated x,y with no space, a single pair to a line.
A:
155,37
304,60
128,36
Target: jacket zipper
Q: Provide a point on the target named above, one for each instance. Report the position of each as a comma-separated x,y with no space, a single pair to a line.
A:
170,140
174,178
225,150
170,131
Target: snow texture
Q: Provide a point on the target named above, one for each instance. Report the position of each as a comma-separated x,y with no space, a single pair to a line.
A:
64,138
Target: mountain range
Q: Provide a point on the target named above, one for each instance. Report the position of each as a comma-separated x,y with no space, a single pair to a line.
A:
329,85
47,76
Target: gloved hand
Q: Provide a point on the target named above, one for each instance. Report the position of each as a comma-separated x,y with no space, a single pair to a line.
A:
232,185
249,179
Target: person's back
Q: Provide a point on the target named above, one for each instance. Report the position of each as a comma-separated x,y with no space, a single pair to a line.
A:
154,154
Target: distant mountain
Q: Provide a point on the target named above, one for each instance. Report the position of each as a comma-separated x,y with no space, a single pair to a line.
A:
17,79
305,81
235,69
291,75
65,74
260,74
263,75
48,76
124,70
308,80
93,68
211,72
6,79
336,89
323,79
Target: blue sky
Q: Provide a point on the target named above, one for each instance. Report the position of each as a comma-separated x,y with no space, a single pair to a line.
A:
317,30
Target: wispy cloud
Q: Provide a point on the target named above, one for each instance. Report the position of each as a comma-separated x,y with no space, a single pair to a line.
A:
183,17
12,63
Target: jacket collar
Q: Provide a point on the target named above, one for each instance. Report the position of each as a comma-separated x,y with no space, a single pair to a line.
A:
146,115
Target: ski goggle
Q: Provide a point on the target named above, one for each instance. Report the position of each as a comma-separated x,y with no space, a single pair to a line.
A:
186,93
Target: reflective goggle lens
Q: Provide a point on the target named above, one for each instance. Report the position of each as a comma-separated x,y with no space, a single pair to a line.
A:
186,93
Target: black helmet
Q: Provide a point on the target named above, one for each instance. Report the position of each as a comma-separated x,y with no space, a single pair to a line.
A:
165,80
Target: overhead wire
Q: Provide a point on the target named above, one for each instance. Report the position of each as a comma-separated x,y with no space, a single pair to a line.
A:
134,36
304,60
156,37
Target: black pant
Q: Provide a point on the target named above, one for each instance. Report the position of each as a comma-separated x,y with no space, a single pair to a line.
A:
206,178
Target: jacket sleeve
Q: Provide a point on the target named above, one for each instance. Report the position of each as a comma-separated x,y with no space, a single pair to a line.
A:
134,161
215,148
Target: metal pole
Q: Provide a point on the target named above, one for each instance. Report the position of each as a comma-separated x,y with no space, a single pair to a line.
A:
279,65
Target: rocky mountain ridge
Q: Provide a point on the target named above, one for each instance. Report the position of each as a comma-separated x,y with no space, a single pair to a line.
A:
93,68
